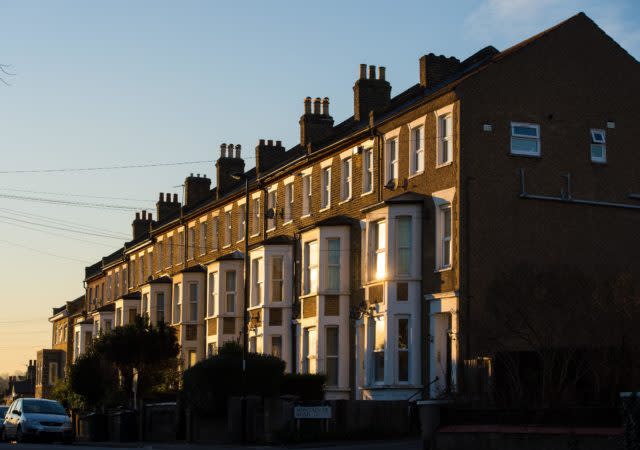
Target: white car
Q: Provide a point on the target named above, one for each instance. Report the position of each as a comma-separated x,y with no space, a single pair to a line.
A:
37,418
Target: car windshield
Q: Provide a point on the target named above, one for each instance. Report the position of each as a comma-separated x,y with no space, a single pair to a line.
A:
42,407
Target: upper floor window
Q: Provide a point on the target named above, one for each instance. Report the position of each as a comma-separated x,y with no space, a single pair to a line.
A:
214,233
193,302
213,294
242,217
169,252
288,202
326,188
257,274
177,303
333,264
141,267
445,139
159,255
345,179
306,194
403,240
160,315
181,247
277,278
367,170
311,267
525,139
145,305
192,243
230,290
227,228
202,244
271,207
392,159
416,161
378,256
598,146
444,236
256,216
116,284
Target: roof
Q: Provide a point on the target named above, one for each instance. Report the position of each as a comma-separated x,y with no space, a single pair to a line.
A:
331,222
163,279
109,307
130,296
233,256
23,387
194,269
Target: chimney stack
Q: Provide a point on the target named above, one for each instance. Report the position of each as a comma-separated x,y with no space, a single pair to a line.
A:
228,163
196,189
166,208
436,69
268,155
141,224
317,125
370,94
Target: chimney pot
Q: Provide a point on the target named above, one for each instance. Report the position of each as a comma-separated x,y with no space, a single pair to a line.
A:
325,106
223,150
161,197
363,71
198,175
316,105
381,73
149,217
372,72
144,215
270,143
261,142
230,150
278,143
191,175
307,105
175,198
238,147
137,216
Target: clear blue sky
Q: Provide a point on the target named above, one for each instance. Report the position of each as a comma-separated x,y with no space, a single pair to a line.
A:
121,82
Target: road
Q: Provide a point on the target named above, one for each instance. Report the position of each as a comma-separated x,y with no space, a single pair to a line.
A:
372,445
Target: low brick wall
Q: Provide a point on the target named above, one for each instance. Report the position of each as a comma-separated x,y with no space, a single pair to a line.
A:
502,437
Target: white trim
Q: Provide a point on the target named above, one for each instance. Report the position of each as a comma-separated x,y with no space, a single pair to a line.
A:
441,112
255,195
289,179
440,199
273,187
326,163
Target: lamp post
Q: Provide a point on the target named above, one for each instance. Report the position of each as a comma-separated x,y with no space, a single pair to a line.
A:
245,338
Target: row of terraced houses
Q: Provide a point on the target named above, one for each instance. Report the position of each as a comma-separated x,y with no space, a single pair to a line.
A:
373,241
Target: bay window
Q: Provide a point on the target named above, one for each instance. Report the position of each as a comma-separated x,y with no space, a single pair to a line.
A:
311,267
230,290
277,280
257,273
332,356
403,240
193,302
160,316
378,256
333,264
403,350
213,294
379,341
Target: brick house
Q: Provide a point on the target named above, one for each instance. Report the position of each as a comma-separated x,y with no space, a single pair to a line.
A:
373,242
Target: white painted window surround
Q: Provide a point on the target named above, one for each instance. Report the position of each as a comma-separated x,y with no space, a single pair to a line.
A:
442,199
445,136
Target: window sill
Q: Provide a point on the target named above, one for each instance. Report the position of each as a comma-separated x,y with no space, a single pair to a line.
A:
304,216
326,208
254,235
269,230
226,246
310,294
599,163
366,193
448,163
443,269
287,222
345,200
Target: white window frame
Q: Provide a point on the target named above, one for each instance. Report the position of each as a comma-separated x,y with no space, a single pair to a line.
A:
392,169
346,178
215,223
181,246
272,200
228,227
242,216
598,141
378,332
202,245
311,251
416,147
441,116
257,285
163,309
325,192
256,206
367,170
191,249
307,190
375,273
277,284
169,252
441,199
228,292
289,196
408,247
177,307
524,137
335,266
213,293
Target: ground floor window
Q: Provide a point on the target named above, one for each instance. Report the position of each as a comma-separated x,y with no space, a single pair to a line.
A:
379,340
331,356
192,358
403,350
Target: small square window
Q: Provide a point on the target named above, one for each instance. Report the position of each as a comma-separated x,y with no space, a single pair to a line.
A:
598,146
525,139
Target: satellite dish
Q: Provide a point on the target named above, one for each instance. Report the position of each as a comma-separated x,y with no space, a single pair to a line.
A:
271,213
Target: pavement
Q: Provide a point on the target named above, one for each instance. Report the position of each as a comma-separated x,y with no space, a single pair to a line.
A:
411,444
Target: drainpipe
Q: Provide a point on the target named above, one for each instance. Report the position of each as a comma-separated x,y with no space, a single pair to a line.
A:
378,145
295,297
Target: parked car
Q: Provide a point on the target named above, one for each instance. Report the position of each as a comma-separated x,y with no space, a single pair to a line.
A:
36,418
3,411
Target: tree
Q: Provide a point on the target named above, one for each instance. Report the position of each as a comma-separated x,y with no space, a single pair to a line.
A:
94,380
143,350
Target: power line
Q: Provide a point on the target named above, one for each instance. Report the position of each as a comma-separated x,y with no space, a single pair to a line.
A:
54,234
88,169
69,258
62,228
66,194
69,202
61,222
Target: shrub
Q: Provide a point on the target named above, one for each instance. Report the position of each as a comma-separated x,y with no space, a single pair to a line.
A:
209,383
309,387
